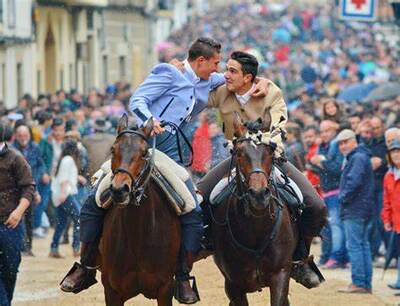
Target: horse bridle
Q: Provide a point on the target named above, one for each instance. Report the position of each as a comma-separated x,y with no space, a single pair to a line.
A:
138,185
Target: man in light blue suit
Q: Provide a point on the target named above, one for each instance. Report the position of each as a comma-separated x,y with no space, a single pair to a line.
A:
171,95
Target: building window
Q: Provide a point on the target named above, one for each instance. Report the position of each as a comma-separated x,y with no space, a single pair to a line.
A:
11,14
1,11
105,70
20,81
165,4
89,19
122,68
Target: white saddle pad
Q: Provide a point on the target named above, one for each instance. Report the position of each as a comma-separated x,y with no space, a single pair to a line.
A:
175,174
222,184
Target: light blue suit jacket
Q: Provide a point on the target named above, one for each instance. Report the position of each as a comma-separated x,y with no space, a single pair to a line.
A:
170,95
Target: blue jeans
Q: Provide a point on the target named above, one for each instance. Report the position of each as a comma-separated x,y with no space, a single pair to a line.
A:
11,243
338,250
70,208
359,251
45,193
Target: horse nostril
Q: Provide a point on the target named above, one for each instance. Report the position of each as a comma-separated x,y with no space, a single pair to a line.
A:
125,188
265,191
252,191
120,191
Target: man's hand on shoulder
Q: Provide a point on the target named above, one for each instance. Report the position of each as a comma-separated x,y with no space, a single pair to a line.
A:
178,64
261,88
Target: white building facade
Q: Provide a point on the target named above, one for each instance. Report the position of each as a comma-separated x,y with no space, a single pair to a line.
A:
17,56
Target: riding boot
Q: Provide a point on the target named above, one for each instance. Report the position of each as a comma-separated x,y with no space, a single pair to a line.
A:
184,292
304,270
83,275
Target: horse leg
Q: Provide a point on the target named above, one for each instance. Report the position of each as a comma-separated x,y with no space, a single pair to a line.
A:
236,296
112,296
165,294
279,288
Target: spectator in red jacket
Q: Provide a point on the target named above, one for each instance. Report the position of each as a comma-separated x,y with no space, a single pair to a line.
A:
391,200
311,142
202,149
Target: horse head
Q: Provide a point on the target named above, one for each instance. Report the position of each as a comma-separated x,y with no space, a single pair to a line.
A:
129,161
254,155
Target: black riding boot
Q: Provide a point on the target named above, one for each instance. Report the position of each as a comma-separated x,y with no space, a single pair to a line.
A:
184,292
82,275
304,270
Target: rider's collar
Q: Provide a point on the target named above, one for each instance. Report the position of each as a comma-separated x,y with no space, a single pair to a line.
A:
243,99
190,71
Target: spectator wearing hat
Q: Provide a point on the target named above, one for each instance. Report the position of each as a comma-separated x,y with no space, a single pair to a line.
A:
356,192
17,192
391,199
98,145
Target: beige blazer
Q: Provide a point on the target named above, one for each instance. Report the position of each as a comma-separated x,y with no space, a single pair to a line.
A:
227,104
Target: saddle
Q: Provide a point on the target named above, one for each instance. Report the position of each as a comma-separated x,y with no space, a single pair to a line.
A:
287,189
166,173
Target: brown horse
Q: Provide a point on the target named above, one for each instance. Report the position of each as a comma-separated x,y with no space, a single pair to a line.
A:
253,234
141,234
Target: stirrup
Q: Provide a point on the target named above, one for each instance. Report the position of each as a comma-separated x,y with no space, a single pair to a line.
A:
85,283
298,272
177,294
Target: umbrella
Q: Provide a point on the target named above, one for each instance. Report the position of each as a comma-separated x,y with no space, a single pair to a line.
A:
391,251
356,92
385,91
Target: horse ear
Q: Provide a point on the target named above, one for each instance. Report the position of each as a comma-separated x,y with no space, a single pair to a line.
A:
148,128
266,126
239,129
122,123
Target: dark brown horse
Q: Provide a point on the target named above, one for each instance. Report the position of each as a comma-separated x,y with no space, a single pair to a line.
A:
253,235
141,235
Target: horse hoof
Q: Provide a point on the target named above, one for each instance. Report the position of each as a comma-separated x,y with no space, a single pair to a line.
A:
184,293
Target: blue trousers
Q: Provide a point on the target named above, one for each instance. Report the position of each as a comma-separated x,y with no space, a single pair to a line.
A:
359,251
45,193
70,208
338,250
11,244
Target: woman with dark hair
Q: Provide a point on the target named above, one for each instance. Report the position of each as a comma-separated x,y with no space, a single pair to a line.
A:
64,188
331,110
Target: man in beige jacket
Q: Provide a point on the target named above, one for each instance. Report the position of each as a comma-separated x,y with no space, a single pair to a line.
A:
234,97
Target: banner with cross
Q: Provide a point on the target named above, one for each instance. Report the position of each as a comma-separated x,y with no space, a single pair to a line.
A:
360,10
